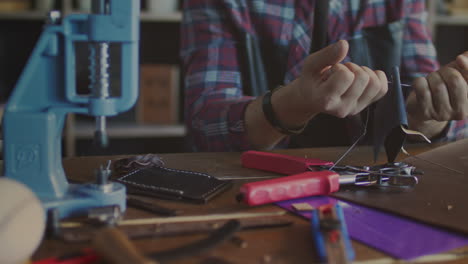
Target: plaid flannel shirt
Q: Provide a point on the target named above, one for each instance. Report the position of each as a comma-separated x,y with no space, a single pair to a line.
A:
214,102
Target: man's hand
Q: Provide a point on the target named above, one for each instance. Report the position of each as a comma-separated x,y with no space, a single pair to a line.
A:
328,86
324,86
439,97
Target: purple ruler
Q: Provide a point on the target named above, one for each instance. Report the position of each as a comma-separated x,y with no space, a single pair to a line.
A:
399,237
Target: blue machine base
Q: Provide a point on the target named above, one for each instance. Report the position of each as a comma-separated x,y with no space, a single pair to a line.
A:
81,197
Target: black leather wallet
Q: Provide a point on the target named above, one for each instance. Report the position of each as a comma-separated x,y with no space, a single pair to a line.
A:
168,183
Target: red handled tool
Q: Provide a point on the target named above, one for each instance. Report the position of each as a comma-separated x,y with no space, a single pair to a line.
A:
290,187
310,177
280,163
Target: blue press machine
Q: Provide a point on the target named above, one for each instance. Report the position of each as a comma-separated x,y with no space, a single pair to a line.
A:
46,92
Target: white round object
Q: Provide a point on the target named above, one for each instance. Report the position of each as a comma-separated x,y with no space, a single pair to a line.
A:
22,222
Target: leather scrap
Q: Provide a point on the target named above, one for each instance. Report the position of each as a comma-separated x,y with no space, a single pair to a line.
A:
439,199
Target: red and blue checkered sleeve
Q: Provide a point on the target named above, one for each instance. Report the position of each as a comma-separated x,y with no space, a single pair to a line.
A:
214,102
418,53
456,130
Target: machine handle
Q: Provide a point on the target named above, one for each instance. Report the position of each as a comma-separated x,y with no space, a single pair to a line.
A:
284,188
115,247
279,163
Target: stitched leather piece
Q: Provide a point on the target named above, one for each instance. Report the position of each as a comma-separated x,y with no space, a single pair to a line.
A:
174,184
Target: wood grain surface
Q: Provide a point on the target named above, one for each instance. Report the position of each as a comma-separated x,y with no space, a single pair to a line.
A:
290,244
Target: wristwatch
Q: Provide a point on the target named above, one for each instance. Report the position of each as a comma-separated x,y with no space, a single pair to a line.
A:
270,115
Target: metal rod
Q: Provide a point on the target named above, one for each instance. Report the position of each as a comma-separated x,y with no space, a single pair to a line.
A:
99,73
181,219
403,84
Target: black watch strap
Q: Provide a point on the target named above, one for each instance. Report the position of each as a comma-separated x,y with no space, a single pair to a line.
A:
273,120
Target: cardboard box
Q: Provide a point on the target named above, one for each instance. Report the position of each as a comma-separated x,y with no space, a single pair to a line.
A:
458,8
158,102
14,5
460,3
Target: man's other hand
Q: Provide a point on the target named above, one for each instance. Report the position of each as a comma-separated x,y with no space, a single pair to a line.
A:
439,97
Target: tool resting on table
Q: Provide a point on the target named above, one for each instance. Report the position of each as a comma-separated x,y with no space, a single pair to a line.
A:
309,177
115,246
330,234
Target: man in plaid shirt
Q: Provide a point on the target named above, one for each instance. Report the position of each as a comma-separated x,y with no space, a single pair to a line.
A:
220,117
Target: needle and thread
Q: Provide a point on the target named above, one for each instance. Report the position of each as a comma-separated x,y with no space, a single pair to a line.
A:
403,84
407,131
364,132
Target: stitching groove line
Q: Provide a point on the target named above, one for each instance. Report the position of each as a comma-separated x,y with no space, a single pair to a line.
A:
122,179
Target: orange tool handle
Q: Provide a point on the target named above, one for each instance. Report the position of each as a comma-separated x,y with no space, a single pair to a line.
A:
309,183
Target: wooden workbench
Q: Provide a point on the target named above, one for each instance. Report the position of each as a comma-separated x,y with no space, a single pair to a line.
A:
291,244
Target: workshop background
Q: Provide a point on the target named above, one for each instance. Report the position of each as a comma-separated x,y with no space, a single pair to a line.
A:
155,124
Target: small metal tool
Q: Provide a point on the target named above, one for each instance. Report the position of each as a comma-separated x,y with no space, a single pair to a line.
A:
395,174
99,77
103,174
108,215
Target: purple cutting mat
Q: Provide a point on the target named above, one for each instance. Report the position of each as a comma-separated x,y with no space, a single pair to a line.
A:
397,236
